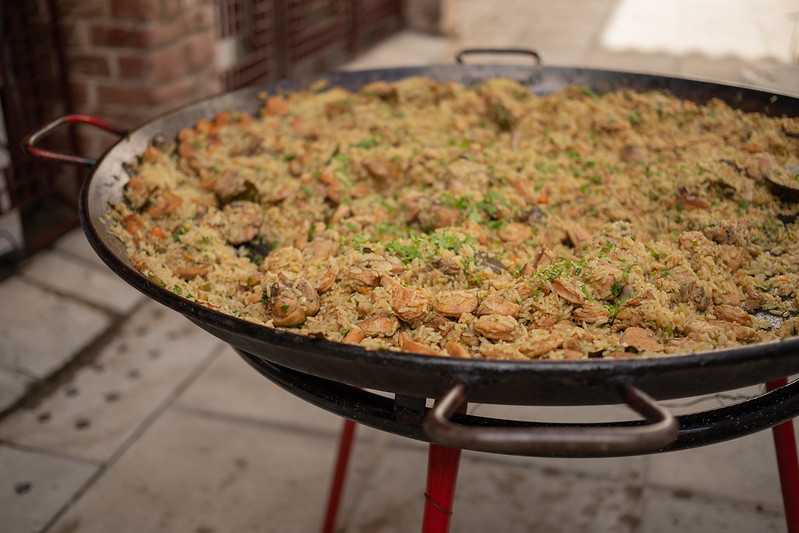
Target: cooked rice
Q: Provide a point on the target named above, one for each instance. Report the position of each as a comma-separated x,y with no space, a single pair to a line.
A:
479,222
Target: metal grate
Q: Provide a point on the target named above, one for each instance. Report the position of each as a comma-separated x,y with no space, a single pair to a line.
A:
33,89
316,25
375,20
232,18
246,35
265,40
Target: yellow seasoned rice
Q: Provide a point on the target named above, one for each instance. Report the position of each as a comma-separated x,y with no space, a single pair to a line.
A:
478,222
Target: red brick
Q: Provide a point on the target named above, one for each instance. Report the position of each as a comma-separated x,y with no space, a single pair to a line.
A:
136,36
201,18
94,142
200,50
79,91
128,94
171,8
75,33
172,94
177,93
165,32
125,117
92,64
167,64
133,67
136,9
118,36
82,8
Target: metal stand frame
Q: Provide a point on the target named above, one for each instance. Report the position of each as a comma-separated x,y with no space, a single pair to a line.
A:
442,474
443,464
404,416
339,474
787,464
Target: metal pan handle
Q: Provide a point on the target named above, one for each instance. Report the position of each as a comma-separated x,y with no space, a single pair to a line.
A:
660,431
30,141
499,51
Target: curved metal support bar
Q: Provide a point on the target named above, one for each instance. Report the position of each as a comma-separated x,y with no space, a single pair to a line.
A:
405,416
518,51
30,141
660,431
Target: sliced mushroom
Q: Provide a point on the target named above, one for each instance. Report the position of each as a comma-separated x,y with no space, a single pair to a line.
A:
289,303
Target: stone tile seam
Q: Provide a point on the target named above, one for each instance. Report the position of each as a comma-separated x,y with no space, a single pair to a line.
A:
142,428
357,485
678,490
298,428
643,482
82,261
50,453
24,373
536,464
74,298
42,388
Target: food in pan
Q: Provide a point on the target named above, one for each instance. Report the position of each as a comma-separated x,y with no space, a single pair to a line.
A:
480,222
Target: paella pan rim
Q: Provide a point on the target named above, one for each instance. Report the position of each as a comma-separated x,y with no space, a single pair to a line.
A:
680,374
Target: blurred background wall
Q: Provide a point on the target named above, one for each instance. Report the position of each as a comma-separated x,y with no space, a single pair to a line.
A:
127,61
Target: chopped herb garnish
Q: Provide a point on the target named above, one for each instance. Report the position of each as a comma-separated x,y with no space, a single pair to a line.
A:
616,289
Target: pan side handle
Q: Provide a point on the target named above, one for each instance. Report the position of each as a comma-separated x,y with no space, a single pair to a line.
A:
660,430
30,141
499,51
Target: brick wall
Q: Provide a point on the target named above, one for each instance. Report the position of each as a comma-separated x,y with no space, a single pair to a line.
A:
132,60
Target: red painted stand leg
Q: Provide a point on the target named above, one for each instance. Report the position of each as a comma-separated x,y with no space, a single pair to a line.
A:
337,487
788,464
442,473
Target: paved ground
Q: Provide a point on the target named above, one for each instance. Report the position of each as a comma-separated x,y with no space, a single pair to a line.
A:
119,415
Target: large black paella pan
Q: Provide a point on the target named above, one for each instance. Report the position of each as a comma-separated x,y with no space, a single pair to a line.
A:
594,381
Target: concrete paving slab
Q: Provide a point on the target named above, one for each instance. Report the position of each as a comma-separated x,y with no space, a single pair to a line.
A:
407,48
75,243
514,499
35,487
13,386
89,282
662,64
391,498
106,402
40,331
194,473
677,511
723,470
229,386
568,54
707,469
492,496
725,70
